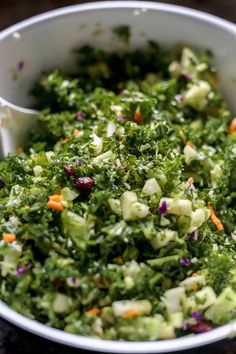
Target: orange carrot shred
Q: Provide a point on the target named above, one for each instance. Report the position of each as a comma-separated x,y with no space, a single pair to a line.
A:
232,126
130,314
59,193
66,140
55,205
215,220
190,180
55,198
194,287
189,143
138,117
93,312
9,238
76,132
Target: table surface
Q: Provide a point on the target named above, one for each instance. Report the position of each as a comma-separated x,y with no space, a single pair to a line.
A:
12,339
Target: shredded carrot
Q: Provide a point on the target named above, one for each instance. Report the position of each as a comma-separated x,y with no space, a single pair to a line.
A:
189,143
232,126
194,274
55,198
130,314
93,312
9,238
215,220
190,180
194,287
66,140
55,205
59,192
76,132
138,117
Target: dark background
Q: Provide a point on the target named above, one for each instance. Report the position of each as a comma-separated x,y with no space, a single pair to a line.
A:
12,11
13,340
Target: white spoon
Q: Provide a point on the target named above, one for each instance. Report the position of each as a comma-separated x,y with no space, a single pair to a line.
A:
15,124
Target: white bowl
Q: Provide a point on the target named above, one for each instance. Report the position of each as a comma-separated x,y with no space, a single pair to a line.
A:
46,41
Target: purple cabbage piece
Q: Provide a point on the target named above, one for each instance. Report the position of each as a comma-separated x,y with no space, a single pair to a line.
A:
80,116
196,315
79,163
2,183
194,235
185,262
22,269
122,118
163,208
179,98
73,282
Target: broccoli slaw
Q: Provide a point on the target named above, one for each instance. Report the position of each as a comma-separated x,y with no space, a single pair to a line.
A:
117,218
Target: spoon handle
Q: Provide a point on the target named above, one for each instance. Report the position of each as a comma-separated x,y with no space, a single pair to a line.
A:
15,126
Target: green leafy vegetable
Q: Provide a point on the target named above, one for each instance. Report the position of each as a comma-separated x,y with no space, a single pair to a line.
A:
118,219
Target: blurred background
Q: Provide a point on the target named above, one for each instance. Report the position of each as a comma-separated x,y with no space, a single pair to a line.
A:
12,11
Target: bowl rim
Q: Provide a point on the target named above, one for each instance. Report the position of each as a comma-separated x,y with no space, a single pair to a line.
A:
133,4
88,343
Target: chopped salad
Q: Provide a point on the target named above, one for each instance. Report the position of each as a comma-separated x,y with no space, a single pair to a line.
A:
117,219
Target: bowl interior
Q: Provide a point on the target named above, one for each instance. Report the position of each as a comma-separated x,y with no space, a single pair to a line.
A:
47,42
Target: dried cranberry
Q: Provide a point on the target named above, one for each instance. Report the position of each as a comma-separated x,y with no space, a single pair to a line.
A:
69,171
84,183
58,282
201,327
2,184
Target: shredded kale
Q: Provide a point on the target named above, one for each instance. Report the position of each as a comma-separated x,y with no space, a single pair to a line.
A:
117,220
122,32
